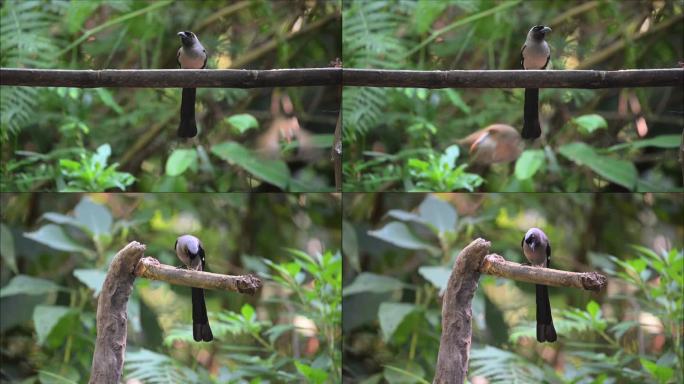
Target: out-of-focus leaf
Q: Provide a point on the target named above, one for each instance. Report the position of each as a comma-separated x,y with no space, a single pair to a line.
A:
391,315
92,278
367,282
180,160
438,276
398,234
313,375
618,171
96,218
662,141
242,122
54,237
47,317
350,245
661,373
587,124
439,214
529,162
271,171
7,248
28,285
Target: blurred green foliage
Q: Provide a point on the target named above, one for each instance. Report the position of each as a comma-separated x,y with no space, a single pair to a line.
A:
41,126
56,249
387,129
399,251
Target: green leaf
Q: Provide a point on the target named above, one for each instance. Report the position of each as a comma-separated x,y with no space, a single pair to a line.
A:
662,141
587,124
618,171
425,13
272,171
529,162
367,282
46,318
594,309
7,248
313,375
92,278
180,160
54,237
411,372
108,100
95,218
391,315
28,285
242,122
247,312
438,276
456,100
438,213
398,234
448,159
350,245
661,373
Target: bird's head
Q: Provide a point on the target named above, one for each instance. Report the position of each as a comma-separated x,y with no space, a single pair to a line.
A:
187,38
538,32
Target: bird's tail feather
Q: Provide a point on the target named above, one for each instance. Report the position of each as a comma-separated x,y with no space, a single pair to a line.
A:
545,329
200,322
531,128
187,127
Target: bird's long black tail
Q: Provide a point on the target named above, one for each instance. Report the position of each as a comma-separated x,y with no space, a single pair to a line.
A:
200,322
531,128
187,127
545,329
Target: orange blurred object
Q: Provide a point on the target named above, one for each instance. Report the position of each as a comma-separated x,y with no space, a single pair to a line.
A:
497,143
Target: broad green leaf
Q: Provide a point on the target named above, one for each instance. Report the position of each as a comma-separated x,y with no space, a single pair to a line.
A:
276,331
242,122
425,13
313,375
391,315
180,160
618,171
46,318
271,171
7,248
455,98
108,100
439,214
587,124
438,276
405,216
247,312
367,282
398,234
54,237
59,218
662,141
529,162
409,373
96,218
28,285
594,309
92,278
661,373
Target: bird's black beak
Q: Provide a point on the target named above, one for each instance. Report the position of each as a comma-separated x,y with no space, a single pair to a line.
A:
546,30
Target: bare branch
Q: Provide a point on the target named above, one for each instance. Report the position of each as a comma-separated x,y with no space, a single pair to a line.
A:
514,79
171,78
496,265
151,268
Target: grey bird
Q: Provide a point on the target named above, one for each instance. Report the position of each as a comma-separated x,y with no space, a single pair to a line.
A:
537,249
535,54
191,55
190,251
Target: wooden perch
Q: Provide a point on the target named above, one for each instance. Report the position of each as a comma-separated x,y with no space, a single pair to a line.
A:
454,346
112,319
151,268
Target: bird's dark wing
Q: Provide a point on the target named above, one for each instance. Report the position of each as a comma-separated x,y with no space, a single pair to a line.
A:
205,59
178,58
522,58
547,61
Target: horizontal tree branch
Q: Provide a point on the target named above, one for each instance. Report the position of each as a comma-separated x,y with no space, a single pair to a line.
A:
514,79
496,265
151,268
171,78
242,78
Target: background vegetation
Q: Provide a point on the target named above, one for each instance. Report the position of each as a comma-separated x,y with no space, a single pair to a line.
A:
66,139
399,250
56,249
397,138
